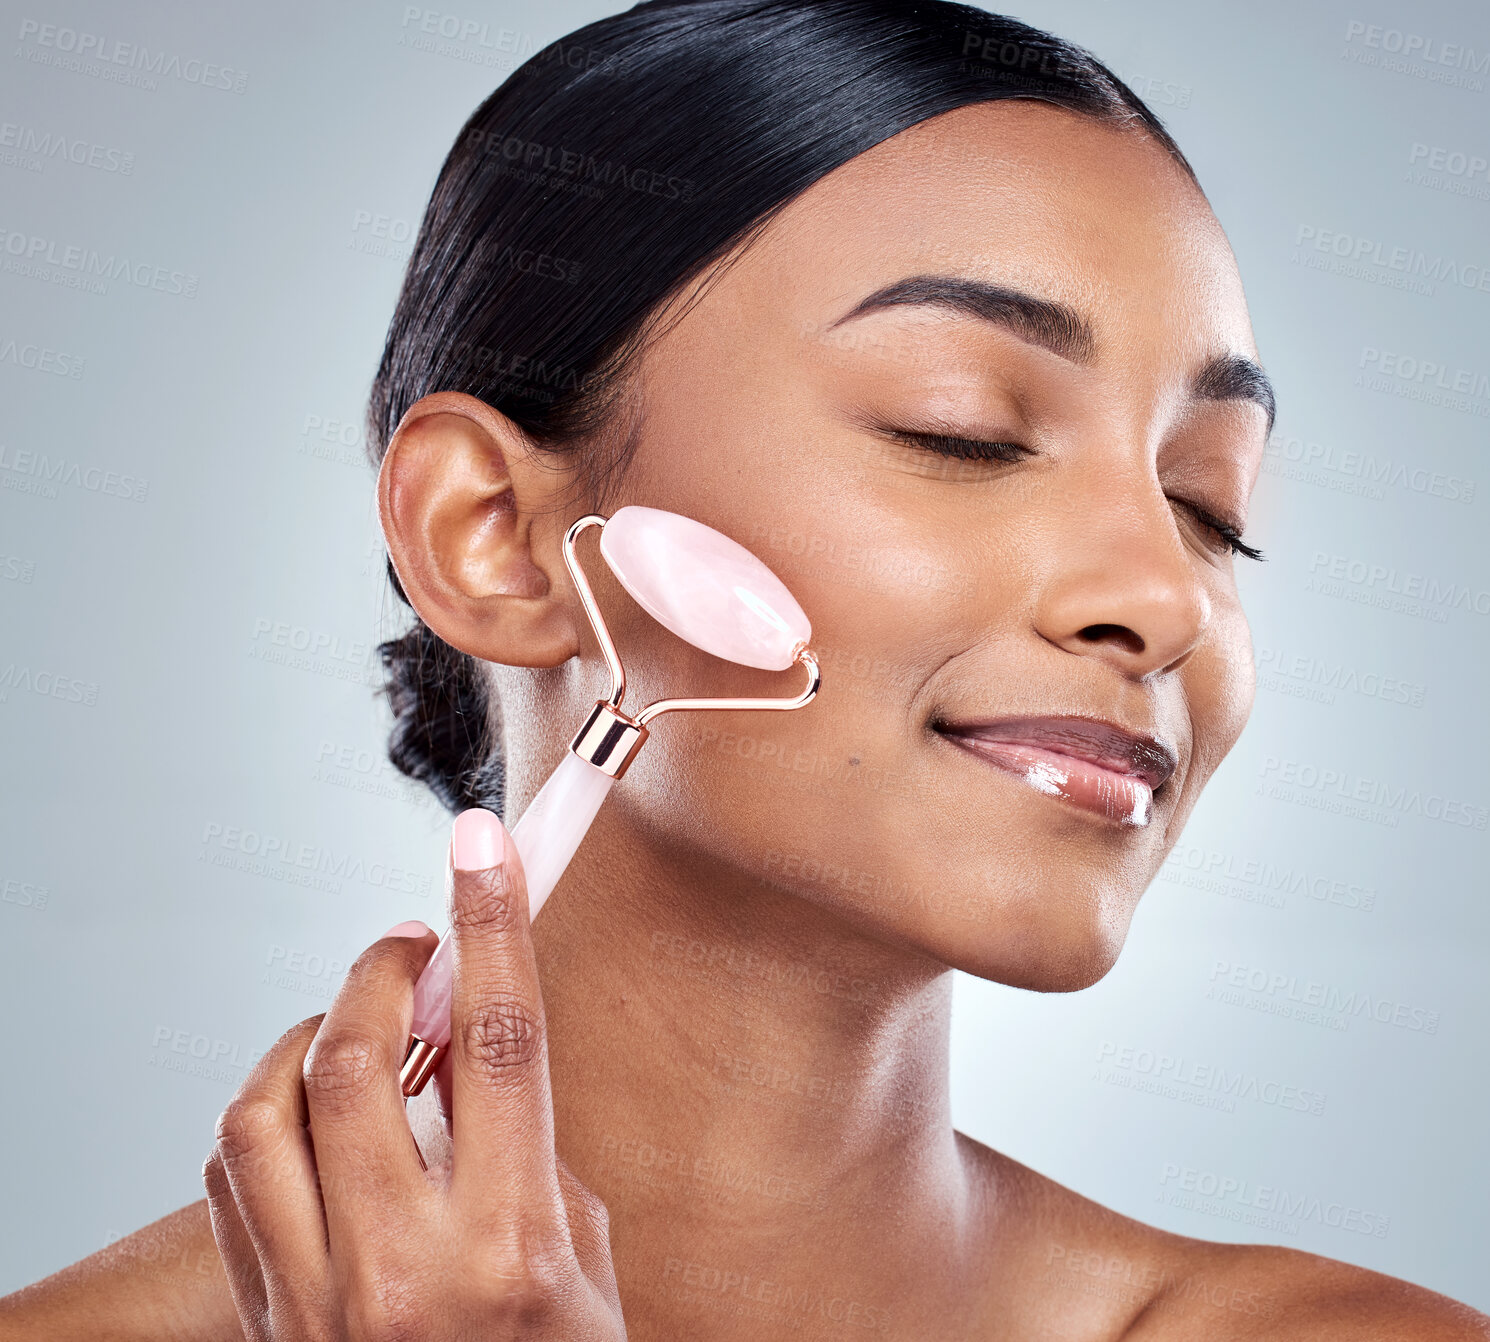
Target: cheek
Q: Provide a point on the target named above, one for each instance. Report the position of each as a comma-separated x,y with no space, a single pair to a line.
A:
756,789
762,790
1220,686
758,793
808,800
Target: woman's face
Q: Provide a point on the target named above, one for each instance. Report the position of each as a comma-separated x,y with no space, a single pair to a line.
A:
1032,660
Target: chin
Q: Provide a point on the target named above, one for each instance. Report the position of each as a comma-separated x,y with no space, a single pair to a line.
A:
1061,943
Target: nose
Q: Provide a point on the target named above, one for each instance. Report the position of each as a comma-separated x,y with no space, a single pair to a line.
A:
1121,585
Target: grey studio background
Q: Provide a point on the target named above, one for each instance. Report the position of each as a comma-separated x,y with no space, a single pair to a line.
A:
1291,1049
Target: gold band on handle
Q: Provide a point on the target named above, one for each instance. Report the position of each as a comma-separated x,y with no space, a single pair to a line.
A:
609,739
418,1066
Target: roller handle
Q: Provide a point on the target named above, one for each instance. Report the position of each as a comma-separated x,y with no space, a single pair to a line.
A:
547,836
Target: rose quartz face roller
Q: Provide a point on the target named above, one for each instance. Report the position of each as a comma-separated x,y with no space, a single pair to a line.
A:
708,590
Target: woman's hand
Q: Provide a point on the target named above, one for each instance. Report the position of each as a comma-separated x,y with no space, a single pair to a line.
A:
327,1224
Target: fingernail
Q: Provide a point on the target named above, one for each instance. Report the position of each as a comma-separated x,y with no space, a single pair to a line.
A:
477,841
412,928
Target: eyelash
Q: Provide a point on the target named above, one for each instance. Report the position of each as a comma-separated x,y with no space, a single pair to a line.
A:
965,449
1224,530
973,449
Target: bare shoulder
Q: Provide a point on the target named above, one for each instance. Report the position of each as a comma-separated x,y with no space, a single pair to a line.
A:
1248,1291
164,1281
1054,1256
1286,1294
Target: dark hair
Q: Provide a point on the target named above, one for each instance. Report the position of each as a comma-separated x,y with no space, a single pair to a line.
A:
610,170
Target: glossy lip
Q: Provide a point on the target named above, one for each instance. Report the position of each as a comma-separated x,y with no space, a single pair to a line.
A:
1097,765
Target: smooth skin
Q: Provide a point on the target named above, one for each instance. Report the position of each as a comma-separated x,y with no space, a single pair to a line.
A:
741,1005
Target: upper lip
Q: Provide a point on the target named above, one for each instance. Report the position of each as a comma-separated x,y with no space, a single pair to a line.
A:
1091,739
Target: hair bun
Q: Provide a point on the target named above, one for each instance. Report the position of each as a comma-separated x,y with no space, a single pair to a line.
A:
441,720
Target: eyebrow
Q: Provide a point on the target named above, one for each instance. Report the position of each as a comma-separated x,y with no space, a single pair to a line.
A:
1058,328
1234,377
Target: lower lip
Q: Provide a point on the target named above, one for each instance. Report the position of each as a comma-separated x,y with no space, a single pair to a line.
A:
1114,796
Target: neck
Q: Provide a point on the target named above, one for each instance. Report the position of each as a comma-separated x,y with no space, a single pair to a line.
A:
749,1083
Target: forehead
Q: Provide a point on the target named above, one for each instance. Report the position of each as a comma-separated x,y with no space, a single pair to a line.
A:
1022,193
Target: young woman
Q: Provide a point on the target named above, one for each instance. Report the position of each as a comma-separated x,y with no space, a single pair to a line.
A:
925,308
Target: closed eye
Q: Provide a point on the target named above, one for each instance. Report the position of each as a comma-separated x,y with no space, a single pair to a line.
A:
977,449
1231,536
965,449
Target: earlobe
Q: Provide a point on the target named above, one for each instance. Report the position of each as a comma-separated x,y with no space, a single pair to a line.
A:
469,516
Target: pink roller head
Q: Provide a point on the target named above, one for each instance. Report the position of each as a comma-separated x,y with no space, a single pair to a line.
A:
704,587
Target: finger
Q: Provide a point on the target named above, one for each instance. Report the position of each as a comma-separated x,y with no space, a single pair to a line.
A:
370,1170
502,1115
589,1233
240,1260
267,1156
589,1225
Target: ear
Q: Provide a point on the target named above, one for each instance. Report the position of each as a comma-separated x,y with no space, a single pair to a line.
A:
474,526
